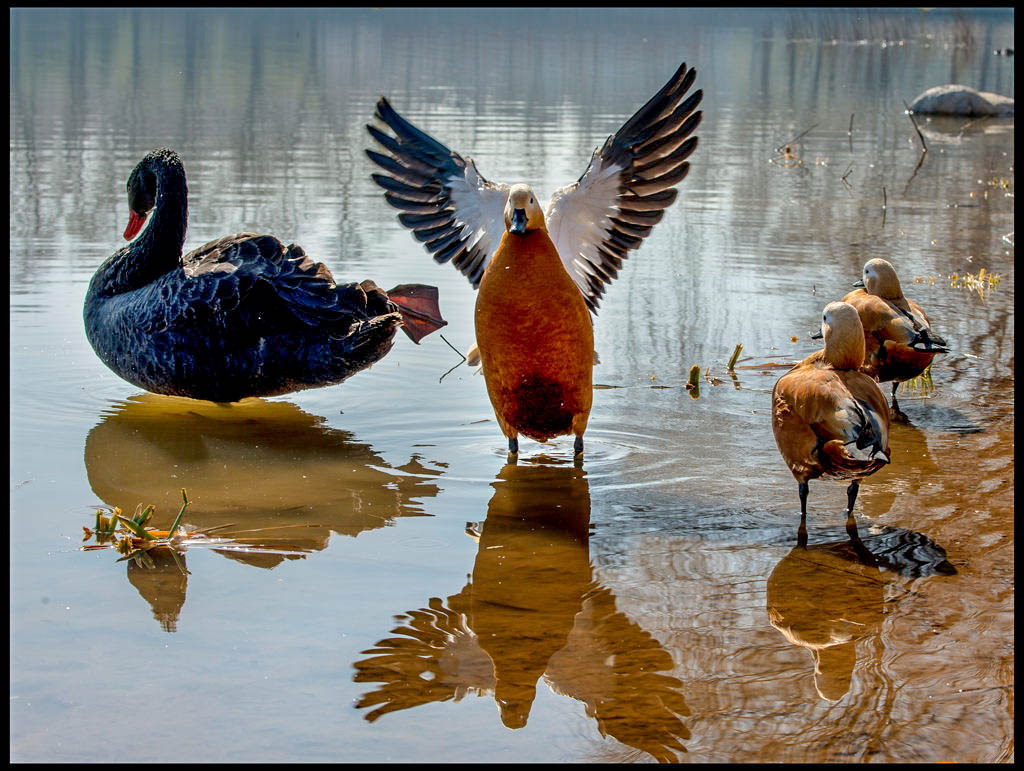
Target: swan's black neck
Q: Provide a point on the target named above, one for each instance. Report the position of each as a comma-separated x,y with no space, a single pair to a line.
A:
158,250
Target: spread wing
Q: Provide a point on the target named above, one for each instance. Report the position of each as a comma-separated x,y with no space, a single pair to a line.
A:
626,188
456,213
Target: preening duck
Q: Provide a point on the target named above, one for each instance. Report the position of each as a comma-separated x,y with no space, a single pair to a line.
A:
241,316
829,418
539,269
899,340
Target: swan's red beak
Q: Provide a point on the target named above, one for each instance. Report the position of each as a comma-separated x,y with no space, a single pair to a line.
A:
135,223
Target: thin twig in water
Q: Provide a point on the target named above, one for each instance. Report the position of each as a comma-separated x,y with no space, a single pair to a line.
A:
924,147
849,132
452,347
459,364
780,148
885,204
910,114
846,174
916,168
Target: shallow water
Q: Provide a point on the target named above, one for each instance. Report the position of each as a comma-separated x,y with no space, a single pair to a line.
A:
393,589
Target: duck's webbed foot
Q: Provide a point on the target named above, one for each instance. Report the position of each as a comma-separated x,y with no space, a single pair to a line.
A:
895,412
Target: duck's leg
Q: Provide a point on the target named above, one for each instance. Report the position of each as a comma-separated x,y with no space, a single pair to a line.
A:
851,527
801,533
577,446
851,523
897,414
513,445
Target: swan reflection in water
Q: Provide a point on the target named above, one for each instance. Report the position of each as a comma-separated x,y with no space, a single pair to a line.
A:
826,597
280,477
533,610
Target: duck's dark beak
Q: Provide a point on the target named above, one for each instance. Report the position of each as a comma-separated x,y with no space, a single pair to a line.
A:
859,283
135,223
518,222
817,335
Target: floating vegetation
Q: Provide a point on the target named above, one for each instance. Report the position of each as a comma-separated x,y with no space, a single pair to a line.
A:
921,386
787,159
1001,183
130,537
711,378
981,283
693,383
736,355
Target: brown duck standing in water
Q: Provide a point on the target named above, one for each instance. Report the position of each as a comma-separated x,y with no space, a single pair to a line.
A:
899,341
242,316
829,418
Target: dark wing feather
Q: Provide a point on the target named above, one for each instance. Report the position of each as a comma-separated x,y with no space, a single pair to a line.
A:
457,214
626,188
259,282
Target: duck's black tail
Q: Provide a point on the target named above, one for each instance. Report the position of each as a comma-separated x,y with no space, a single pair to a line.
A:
927,341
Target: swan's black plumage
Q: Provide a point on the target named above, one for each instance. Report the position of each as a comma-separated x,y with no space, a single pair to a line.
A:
241,316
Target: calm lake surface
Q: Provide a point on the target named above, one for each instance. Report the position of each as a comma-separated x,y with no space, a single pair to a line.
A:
395,591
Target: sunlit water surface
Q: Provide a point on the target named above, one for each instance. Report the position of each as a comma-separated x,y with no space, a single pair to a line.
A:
394,590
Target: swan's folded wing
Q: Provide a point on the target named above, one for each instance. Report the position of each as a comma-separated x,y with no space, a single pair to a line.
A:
626,188
259,283
456,213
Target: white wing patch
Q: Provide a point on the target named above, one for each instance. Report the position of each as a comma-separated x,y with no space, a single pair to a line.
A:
457,214
479,209
579,220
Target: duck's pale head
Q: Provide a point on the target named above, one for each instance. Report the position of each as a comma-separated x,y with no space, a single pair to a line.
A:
522,212
844,336
879,278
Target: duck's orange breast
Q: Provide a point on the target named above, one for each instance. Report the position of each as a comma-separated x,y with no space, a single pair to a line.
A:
536,340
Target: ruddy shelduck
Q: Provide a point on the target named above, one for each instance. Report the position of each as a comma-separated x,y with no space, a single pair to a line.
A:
899,341
829,418
539,269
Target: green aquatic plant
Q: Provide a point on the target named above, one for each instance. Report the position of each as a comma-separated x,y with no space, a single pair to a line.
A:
920,386
735,355
130,537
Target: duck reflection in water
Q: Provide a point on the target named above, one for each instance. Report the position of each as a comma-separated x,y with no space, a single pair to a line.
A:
281,478
533,610
827,597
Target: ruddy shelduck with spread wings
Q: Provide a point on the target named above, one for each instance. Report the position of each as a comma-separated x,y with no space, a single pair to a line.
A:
540,269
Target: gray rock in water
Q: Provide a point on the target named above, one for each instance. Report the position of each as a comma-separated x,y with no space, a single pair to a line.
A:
961,100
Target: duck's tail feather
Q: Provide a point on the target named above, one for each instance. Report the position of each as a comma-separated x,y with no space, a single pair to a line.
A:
927,341
850,458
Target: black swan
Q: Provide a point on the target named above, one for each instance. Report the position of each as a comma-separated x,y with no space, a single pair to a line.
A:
242,316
